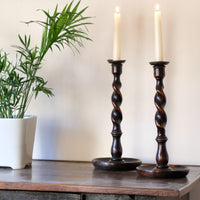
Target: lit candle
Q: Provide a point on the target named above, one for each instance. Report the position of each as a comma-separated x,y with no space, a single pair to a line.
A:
117,36
158,35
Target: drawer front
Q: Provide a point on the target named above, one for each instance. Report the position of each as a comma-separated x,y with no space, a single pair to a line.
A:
118,197
145,198
107,197
23,195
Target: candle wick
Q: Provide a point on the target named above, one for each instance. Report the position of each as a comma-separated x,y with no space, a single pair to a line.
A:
157,7
117,9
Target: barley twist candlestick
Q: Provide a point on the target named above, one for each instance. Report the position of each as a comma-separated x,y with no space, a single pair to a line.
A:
162,169
116,162
116,116
160,117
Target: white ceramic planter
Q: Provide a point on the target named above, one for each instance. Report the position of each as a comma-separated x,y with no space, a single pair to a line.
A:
16,141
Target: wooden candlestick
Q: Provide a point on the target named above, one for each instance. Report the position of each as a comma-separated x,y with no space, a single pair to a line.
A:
162,169
116,162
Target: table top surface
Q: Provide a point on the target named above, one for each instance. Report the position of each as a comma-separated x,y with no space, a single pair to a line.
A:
77,177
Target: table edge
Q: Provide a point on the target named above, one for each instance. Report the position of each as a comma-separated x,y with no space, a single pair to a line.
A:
49,187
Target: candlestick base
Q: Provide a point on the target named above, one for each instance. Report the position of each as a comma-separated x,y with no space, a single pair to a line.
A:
152,171
124,164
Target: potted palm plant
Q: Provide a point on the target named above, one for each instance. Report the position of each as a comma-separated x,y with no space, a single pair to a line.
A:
20,82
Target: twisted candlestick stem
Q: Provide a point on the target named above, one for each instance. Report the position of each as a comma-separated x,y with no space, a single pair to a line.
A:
160,116
116,115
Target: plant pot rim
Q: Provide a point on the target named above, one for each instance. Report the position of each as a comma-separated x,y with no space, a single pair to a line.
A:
25,118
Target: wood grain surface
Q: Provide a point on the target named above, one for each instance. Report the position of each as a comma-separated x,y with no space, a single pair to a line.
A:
80,177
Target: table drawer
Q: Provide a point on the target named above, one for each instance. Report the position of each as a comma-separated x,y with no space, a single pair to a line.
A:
26,195
106,197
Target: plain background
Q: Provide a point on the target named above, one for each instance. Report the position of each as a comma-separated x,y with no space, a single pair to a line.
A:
76,124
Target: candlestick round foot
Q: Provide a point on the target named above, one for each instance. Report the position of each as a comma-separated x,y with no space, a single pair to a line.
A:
173,171
123,164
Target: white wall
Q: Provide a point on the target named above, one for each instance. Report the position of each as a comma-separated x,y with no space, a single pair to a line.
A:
75,124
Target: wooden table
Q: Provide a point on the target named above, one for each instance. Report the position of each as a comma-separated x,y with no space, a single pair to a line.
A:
51,180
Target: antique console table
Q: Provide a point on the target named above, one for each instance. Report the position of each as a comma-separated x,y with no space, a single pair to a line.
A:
53,180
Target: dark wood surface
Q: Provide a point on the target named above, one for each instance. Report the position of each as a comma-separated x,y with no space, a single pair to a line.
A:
80,177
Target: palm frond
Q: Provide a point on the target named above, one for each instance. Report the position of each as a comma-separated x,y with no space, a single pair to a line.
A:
19,82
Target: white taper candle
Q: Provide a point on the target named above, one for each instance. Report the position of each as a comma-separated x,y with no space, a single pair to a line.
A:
158,35
117,35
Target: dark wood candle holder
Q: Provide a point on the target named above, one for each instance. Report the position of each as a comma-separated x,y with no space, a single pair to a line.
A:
116,162
161,169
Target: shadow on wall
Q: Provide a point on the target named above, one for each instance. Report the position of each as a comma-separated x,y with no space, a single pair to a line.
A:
61,139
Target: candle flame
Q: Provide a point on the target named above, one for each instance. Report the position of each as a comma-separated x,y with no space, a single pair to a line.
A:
157,7
117,9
